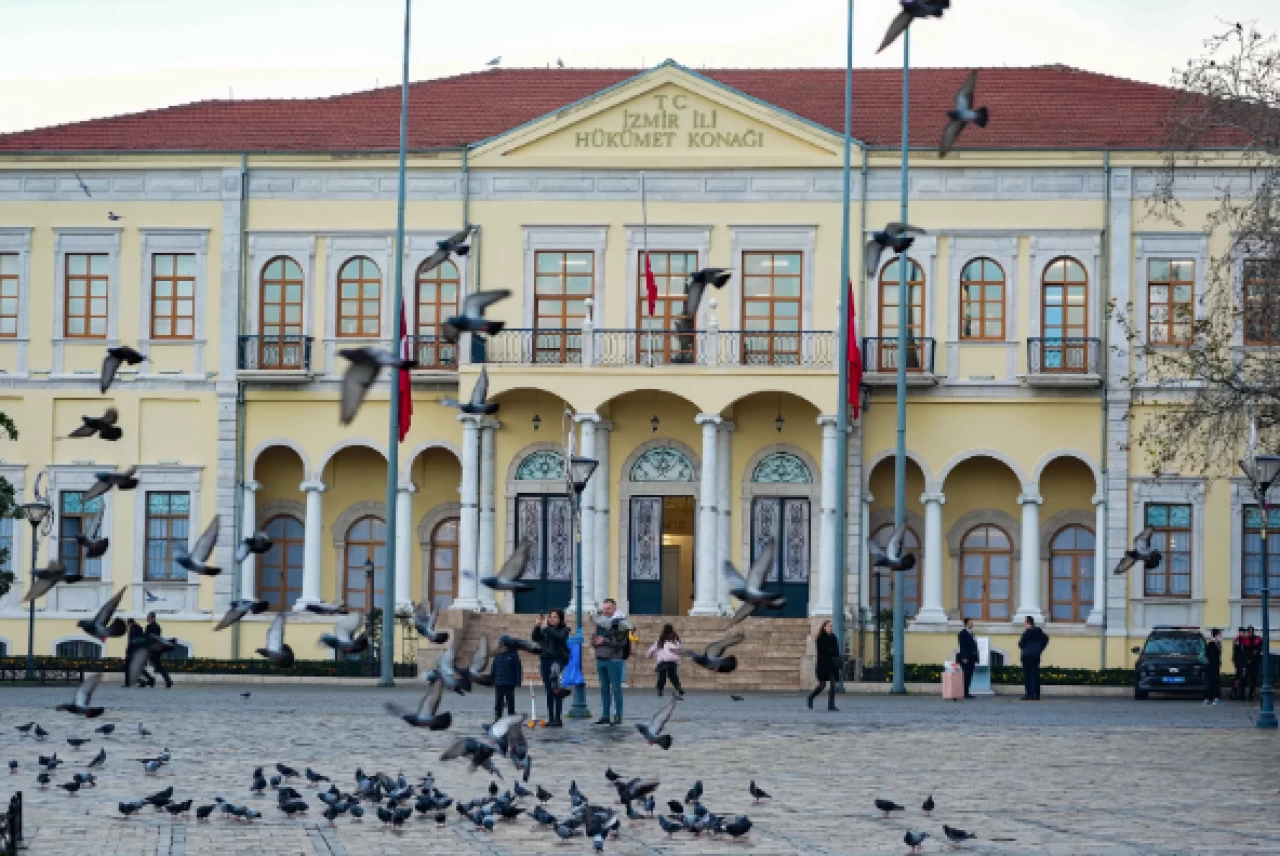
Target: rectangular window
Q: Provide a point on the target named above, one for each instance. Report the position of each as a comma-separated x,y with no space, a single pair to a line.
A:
562,283
671,277
77,518
6,544
167,530
1170,301
86,298
1251,572
1172,537
173,296
8,295
771,299
1262,302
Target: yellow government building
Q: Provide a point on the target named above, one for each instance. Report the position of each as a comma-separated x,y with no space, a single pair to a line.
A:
241,244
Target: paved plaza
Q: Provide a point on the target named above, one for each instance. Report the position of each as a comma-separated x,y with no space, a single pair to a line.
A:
1085,776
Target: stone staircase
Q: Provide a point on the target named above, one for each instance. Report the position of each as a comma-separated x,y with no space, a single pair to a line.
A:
776,655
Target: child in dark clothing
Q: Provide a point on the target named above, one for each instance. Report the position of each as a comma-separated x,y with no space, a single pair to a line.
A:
507,675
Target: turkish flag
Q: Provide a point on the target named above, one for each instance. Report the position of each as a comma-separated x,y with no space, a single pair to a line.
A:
406,388
855,355
650,285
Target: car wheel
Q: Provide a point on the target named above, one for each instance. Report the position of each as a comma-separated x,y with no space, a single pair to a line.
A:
1139,695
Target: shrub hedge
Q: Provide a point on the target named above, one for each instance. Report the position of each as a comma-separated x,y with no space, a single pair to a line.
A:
931,673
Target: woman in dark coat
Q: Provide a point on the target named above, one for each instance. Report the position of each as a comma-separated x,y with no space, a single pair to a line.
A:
825,666
553,636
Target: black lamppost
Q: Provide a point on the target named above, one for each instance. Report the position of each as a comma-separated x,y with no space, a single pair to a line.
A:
373,655
580,470
37,513
1262,471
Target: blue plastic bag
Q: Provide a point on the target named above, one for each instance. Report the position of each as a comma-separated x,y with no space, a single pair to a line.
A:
572,675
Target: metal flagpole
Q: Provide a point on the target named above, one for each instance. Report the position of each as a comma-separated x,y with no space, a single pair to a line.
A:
387,652
840,580
644,273
900,451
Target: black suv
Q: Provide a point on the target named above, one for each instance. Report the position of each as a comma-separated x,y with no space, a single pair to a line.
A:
1171,661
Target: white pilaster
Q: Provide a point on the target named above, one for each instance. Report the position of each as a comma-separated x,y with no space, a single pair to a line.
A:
865,598
931,609
827,530
485,559
724,535
601,480
1029,576
705,588
591,595
404,545
1100,575
249,523
468,515
312,545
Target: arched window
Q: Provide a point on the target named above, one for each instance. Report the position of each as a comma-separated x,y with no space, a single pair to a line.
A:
986,574
889,306
541,466
982,301
1064,313
1071,574
360,299
442,578
280,315
437,300
781,468
662,464
882,583
78,649
280,568
366,542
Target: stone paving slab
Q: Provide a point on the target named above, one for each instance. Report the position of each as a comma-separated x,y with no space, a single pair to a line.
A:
1098,777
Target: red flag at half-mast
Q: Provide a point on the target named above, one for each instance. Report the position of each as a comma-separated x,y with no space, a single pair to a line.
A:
406,388
855,355
650,285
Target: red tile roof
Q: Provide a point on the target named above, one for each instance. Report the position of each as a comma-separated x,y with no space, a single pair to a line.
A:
1048,107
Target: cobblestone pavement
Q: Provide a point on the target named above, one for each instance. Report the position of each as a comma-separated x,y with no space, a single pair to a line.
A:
1088,776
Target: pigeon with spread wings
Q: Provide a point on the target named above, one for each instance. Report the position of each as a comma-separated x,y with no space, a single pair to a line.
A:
82,706
472,319
454,245
698,282
426,716
652,730
112,361
343,639
141,653
751,591
94,545
365,366
508,577
103,426
714,657
1141,552
239,609
424,621
962,115
126,480
196,561
912,9
102,626
45,580
891,556
276,650
894,236
478,404
257,544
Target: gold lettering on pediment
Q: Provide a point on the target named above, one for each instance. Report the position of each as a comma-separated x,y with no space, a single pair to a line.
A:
668,122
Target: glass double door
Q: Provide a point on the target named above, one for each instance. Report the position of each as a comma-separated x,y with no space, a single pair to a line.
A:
786,522
546,521
660,577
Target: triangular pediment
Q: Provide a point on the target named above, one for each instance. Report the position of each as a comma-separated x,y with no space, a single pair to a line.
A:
668,116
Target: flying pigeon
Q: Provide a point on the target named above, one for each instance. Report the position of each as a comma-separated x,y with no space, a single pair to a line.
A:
126,480
424,621
111,364
365,366
895,236
102,626
956,835
886,806
239,609
927,806
255,545
508,576
1141,552
322,608
962,115
892,557
91,539
104,426
713,658
914,839
757,793
698,282
912,9
478,405
472,319
343,639
652,730
426,715
196,561
276,650
446,671
479,753
48,578
751,591
84,695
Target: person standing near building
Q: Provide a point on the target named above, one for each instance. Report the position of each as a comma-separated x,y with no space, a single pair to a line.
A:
968,656
667,652
507,675
553,637
1032,645
1213,669
612,643
825,665
136,637
153,629
1253,662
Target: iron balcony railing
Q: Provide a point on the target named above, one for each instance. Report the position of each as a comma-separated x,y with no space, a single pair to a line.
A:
275,353
650,347
707,347
433,354
542,346
880,355
1071,355
812,349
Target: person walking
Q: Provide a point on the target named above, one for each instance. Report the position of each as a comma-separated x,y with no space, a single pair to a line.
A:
552,636
667,652
153,629
136,637
1253,660
968,656
1213,670
507,675
825,665
1238,655
1032,645
612,643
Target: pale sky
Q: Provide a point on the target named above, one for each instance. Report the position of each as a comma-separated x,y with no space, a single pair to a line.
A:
69,60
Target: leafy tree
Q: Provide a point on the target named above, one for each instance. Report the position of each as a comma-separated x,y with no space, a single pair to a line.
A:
8,508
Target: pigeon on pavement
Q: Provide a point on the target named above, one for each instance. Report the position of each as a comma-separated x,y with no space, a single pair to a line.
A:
914,840
886,806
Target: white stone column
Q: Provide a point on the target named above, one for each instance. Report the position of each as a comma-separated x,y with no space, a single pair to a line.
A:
724,498
485,551
601,480
705,588
1029,576
248,525
866,598
468,516
827,530
312,545
931,608
591,597
404,545
1100,574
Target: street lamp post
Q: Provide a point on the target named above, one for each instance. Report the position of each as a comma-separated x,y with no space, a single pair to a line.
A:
1262,471
580,471
36,513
